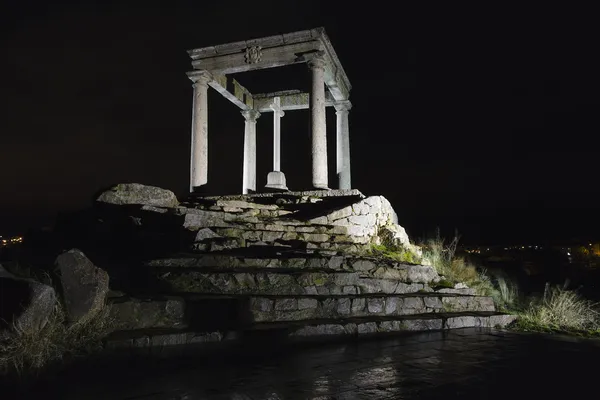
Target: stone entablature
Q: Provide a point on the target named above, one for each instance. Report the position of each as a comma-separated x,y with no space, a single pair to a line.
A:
330,87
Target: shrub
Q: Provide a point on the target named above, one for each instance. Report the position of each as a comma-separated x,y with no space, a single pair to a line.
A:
560,310
28,353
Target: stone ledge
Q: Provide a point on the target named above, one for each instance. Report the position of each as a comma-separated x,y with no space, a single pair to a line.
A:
311,193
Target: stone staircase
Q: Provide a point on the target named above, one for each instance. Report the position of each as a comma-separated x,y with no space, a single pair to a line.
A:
288,266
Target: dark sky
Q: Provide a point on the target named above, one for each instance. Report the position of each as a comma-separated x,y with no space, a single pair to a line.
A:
498,139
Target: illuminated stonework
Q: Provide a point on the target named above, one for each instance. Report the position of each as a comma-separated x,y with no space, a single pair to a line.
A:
213,66
253,54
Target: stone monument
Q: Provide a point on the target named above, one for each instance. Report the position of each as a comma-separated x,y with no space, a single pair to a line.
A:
212,66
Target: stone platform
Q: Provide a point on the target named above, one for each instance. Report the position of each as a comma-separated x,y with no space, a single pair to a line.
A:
288,265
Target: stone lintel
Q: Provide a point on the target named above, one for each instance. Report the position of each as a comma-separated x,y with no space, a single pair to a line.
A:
290,100
265,42
233,91
269,58
277,50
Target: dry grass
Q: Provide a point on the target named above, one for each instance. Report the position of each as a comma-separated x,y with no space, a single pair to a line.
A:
30,352
560,310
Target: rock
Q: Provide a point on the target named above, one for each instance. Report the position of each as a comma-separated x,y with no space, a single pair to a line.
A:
140,314
25,305
84,285
205,233
393,235
135,193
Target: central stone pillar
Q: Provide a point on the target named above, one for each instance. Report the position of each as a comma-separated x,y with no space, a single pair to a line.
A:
199,147
276,178
249,174
319,127
343,144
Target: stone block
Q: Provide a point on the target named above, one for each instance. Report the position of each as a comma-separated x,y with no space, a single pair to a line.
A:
319,220
205,233
349,290
268,236
362,220
261,304
305,229
433,302
289,236
391,305
286,304
367,328
343,306
338,214
335,262
307,303
465,321
413,305
375,305
252,235
232,209
363,265
204,219
358,305
360,208
315,237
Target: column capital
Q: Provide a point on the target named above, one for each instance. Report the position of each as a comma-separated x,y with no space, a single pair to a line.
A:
317,60
250,115
200,77
342,106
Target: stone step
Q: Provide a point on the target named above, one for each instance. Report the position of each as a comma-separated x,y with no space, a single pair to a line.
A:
284,308
369,326
131,313
154,341
278,282
367,266
160,341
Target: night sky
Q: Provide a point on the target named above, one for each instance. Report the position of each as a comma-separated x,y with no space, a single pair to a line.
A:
498,139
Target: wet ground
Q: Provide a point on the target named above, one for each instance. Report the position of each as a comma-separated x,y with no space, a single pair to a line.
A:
460,364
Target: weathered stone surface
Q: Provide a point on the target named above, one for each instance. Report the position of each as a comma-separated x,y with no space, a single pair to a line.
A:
307,303
468,303
84,286
25,305
206,233
363,265
204,219
141,314
135,193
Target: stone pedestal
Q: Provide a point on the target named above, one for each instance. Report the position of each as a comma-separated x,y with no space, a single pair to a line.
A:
319,128
276,181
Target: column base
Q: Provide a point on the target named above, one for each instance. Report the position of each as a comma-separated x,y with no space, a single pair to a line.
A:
276,181
321,187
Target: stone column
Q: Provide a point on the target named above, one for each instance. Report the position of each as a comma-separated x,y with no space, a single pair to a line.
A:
276,178
249,178
199,148
343,144
319,128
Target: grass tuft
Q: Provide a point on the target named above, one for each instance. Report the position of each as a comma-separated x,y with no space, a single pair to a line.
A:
560,310
28,353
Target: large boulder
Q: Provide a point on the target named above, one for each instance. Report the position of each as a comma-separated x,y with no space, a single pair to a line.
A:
25,305
84,285
135,193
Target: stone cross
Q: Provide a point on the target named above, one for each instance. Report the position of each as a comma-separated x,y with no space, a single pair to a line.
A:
276,178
